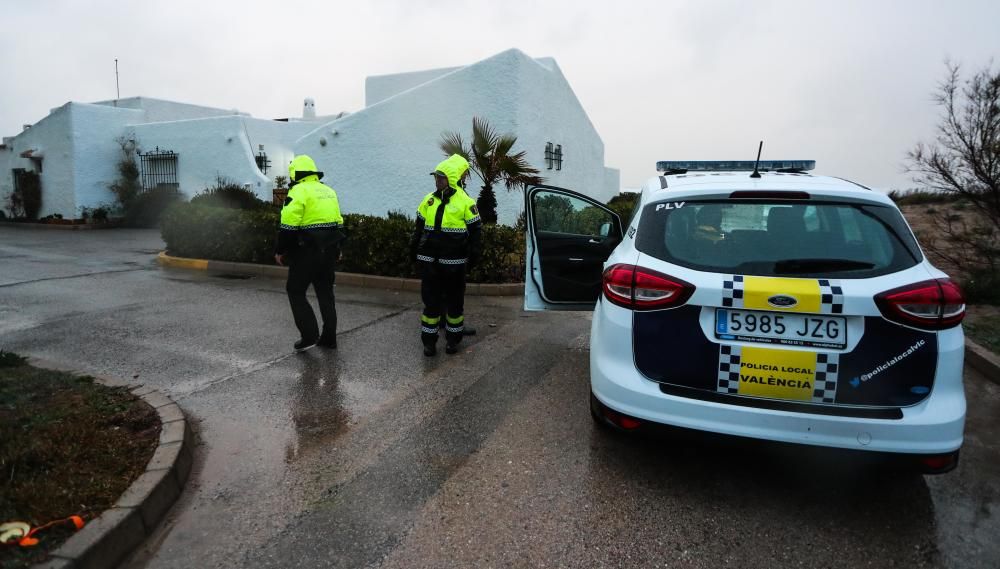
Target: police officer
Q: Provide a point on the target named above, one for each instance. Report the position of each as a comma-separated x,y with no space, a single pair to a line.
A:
446,241
309,241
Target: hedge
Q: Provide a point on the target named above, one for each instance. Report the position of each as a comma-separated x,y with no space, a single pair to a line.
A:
375,245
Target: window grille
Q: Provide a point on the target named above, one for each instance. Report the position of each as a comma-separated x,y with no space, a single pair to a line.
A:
558,157
549,155
262,162
158,167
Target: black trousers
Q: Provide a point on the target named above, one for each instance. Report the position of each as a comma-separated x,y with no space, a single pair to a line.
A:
313,266
442,289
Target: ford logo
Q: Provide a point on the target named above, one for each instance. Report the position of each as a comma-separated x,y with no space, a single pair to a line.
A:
782,301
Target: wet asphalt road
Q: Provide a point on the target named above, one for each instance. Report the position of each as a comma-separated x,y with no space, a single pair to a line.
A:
374,456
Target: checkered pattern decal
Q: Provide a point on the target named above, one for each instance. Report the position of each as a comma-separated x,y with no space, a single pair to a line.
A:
825,384
831,297
732,292
729,369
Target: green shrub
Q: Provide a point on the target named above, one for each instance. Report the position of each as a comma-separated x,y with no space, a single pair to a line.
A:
920,197
981,287
378,245
10,359
623,204
227,193
375,245
127,187
223,234
146,208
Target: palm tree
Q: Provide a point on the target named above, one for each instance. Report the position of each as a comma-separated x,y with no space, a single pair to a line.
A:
491,159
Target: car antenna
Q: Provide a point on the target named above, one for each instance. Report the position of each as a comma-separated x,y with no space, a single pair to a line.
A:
756,174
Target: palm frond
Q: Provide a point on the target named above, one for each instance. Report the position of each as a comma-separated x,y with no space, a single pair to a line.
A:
504,145
453,143
517,173
484,137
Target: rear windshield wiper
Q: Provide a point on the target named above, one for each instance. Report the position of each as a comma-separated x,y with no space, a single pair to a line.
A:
792,266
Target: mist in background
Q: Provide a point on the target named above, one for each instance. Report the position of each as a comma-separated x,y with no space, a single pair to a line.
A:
846,83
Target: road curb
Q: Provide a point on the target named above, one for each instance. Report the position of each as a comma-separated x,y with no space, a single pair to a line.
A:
985,361
107,540
351,279
62,226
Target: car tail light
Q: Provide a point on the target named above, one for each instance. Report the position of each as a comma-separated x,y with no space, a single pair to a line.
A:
931,305
621,420
639,288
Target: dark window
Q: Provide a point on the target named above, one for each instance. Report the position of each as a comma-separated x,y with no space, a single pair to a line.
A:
158,167
549,155
558,157
812,239
262,162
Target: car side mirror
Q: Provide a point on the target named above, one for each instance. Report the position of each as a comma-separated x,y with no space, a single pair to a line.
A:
605,229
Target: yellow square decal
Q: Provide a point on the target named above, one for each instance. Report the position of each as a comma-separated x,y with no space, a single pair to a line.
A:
756,291
777,374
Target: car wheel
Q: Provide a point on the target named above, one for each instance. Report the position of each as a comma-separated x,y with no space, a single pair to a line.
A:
595,414
608,418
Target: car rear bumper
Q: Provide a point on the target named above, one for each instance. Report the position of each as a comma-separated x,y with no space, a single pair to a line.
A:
934,426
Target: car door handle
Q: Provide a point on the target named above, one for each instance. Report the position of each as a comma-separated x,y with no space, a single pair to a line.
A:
576,259
595,241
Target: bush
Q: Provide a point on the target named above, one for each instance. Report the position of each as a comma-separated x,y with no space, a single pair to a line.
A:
375,245
127,187
920,197
981,287
623,204
223,234
229,194
147,208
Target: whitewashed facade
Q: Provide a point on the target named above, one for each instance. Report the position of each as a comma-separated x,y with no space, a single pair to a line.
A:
377,158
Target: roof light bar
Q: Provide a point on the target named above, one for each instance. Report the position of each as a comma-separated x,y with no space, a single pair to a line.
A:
733,165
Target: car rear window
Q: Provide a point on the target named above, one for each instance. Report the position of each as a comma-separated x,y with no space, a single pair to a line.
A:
770,238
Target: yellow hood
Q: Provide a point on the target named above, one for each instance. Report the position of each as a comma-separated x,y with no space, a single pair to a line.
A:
453,167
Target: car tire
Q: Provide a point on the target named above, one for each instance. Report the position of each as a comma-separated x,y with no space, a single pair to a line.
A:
595,414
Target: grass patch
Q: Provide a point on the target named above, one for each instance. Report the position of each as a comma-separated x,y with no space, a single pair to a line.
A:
67,446
985,332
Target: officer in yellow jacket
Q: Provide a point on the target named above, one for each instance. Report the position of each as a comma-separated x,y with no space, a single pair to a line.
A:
445,243
309,240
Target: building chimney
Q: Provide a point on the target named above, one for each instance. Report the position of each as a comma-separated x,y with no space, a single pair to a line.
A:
309,108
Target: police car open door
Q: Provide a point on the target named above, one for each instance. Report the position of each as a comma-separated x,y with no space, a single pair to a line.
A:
570,236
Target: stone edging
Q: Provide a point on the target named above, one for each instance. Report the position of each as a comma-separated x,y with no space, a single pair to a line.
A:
352,279
105,541
63,226
985,361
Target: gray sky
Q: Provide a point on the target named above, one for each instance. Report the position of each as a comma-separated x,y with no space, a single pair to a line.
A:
847,83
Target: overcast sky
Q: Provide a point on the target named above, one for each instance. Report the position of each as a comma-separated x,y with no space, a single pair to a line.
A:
847,83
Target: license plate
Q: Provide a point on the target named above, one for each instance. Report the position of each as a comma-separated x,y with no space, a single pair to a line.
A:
787,329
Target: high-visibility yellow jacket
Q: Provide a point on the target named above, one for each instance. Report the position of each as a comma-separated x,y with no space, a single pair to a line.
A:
448,225
311,213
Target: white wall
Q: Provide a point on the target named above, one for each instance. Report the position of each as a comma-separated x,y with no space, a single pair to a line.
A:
279,140
96,154
550,112
381,87
213,147
159,110
612,184
206,148
51,137
380,157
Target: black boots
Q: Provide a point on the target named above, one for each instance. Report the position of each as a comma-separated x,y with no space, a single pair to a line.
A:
303,345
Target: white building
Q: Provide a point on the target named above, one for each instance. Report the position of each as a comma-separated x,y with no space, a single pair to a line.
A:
377,158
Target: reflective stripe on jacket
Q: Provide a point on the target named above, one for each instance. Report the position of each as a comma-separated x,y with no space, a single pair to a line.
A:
448,224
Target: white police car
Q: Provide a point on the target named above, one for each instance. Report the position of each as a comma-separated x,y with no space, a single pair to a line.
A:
782,306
